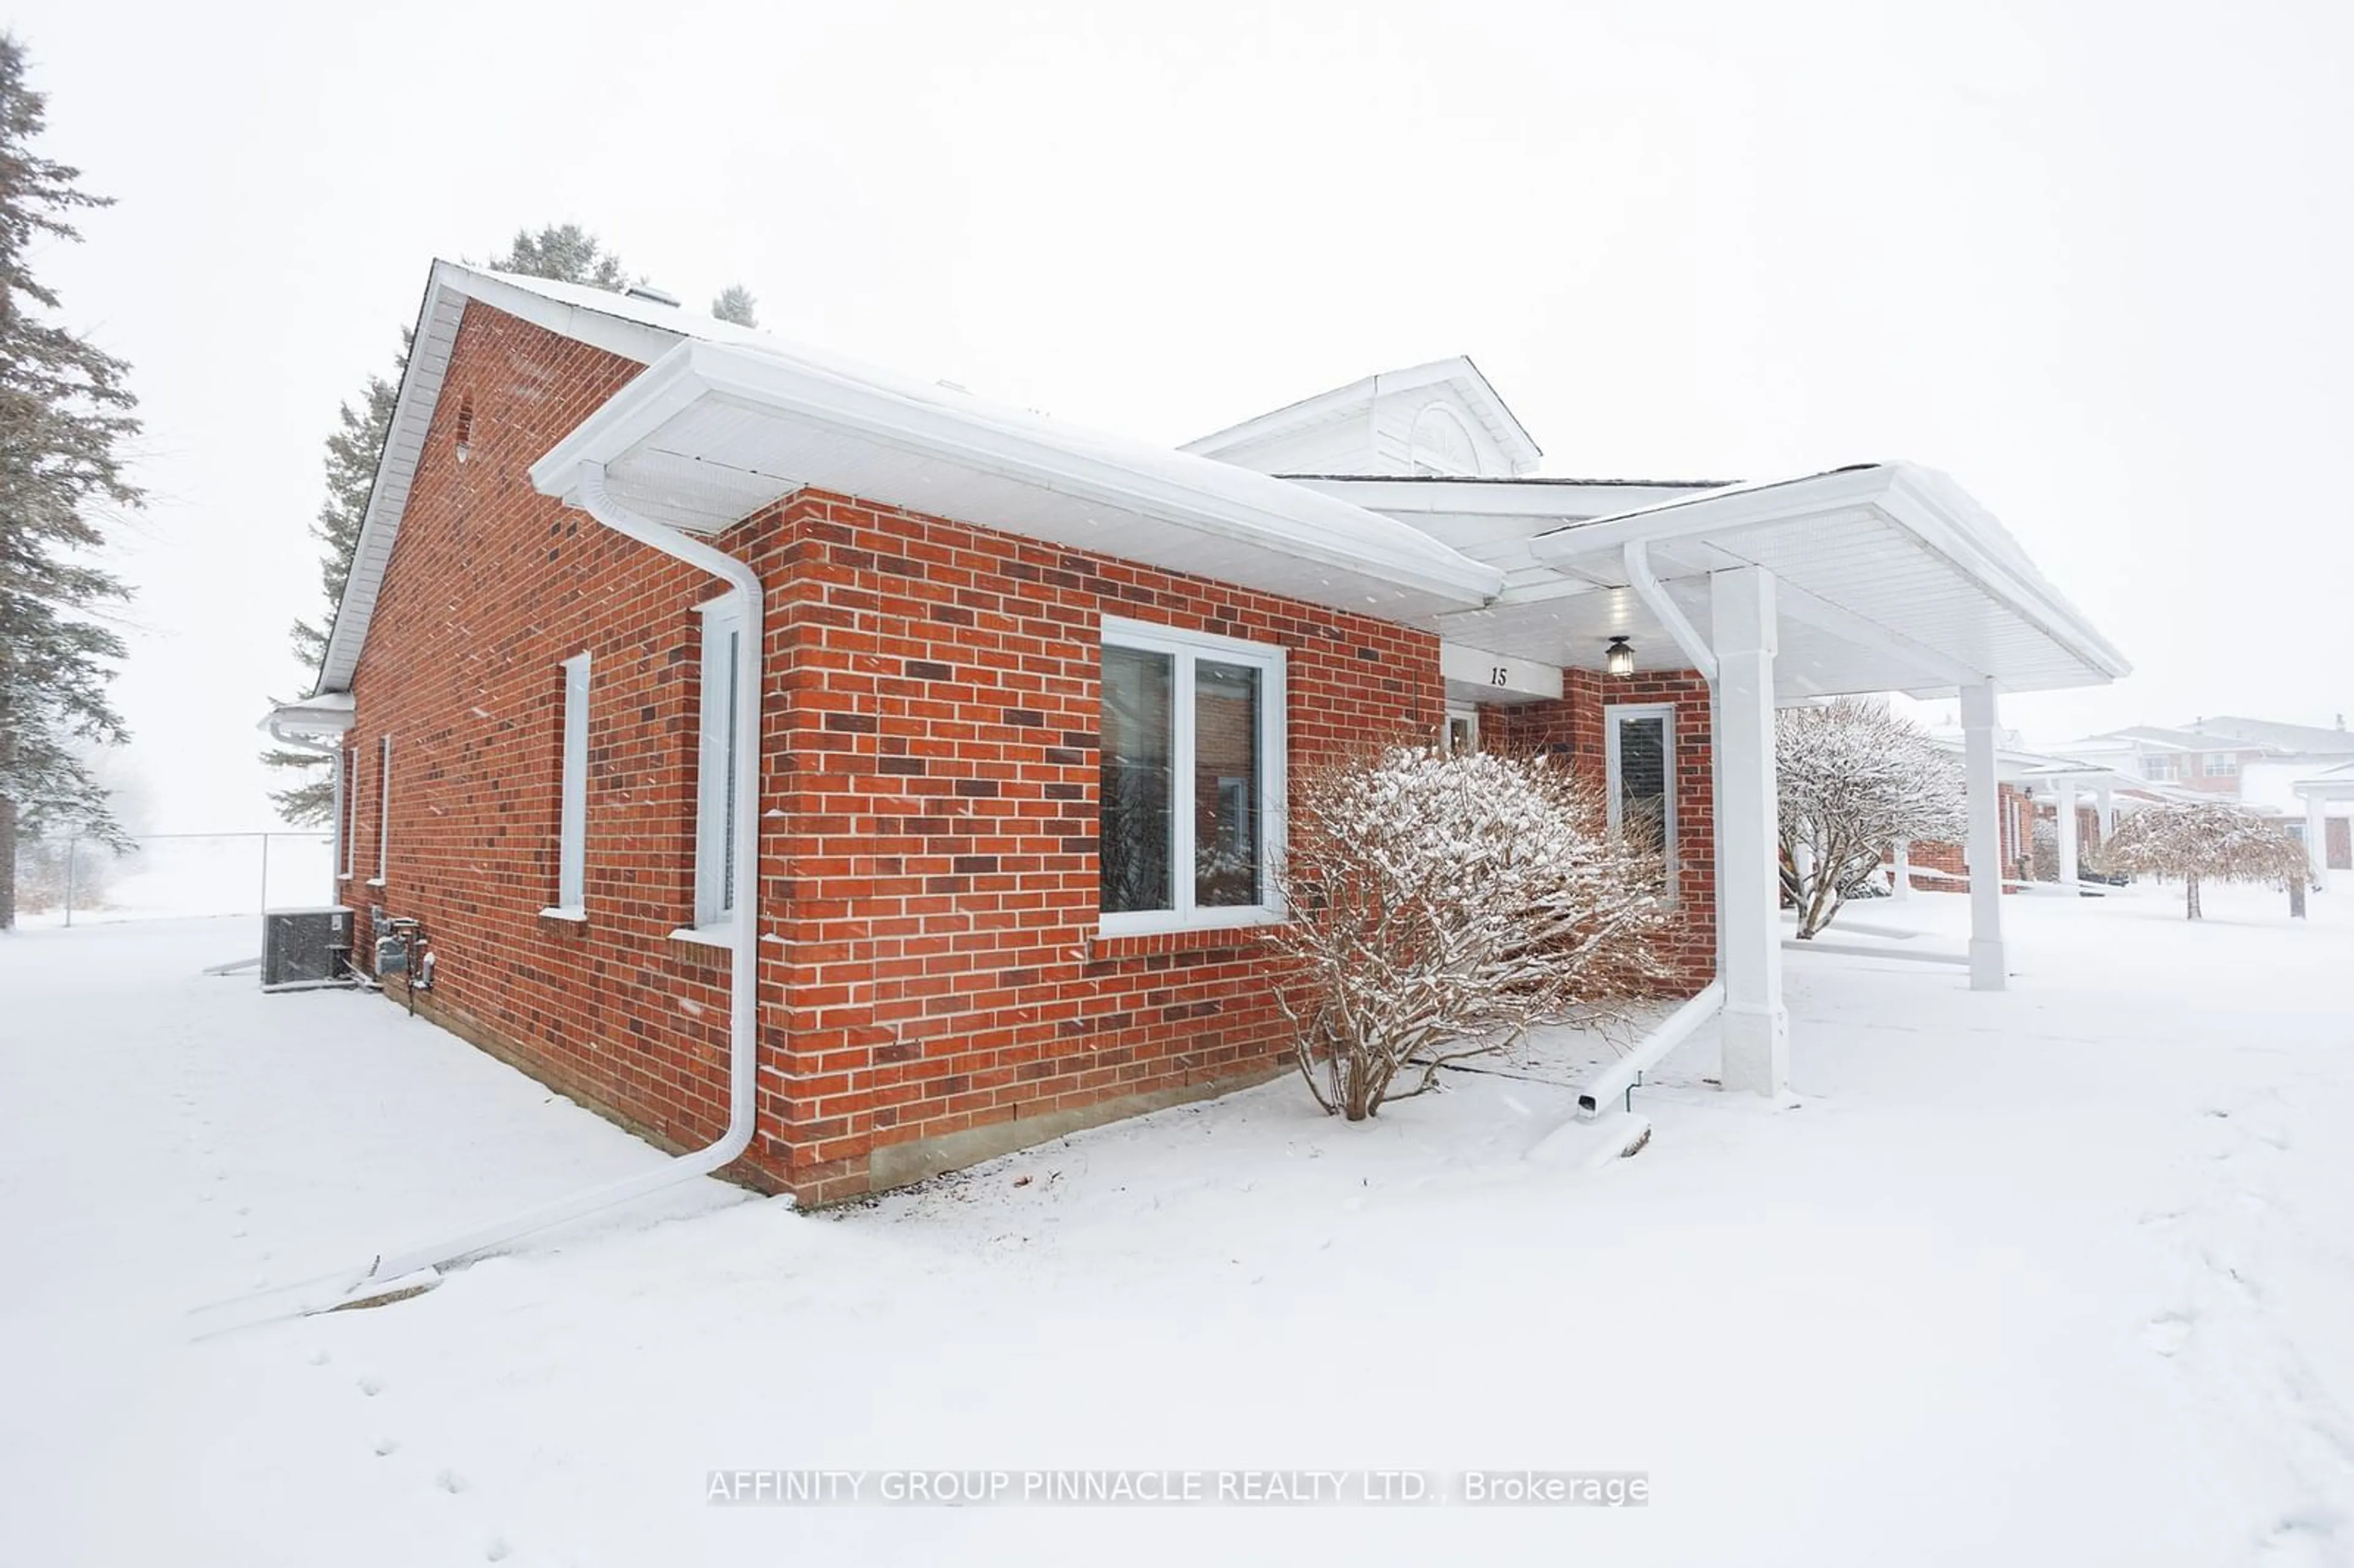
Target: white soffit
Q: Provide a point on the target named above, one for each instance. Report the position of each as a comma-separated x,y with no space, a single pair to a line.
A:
1888,578
713,432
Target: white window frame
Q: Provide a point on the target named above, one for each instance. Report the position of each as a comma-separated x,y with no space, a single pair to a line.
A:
383,813
348,807
572,810
1613,716
1468,717
715,773
2161,766
2220,765
1182,648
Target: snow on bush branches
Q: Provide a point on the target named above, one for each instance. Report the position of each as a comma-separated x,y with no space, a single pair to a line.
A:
2205,841
1853,779
1441,905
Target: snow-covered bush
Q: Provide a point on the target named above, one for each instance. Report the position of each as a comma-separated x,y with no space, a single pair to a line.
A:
2043,853
1853,779
1441,905
2205,840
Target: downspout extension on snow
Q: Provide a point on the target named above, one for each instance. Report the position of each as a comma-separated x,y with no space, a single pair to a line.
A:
1593,1095
405,1272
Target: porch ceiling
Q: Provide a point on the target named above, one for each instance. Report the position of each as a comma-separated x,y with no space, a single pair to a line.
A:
1887,578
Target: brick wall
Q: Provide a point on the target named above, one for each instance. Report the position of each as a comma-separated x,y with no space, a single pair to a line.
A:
934,888
492,585
929,966
1572,729
931,976
2015,814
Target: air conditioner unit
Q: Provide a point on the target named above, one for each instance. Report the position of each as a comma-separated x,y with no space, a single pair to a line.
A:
305,948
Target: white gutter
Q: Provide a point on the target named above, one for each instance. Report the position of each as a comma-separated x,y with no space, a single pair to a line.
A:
1654,595
1201,494
1618,1079
410,1270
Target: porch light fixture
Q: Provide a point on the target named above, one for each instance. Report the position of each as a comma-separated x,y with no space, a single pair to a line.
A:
1620,659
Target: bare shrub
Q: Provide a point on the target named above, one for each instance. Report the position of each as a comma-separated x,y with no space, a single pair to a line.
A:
1441,905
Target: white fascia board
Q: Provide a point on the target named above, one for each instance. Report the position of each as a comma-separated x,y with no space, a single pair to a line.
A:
1230,502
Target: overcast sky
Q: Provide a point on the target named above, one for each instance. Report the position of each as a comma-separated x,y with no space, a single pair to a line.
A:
2093,260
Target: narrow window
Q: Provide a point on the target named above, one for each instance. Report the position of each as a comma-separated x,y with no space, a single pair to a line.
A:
347,808
383,814
572,834
1639,750
1462,731
715,871
1191,781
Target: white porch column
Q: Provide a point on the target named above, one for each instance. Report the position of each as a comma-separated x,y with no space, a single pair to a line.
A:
1899,882
1985,851
1756,1030
2105,800
2316,839
2067,801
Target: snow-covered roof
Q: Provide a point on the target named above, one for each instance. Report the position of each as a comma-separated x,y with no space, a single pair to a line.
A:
713,432
728,419
2289,739
1889,577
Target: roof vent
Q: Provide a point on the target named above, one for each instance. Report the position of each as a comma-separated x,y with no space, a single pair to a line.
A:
648,292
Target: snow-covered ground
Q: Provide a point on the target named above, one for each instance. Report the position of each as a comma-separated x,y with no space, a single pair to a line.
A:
2065,1274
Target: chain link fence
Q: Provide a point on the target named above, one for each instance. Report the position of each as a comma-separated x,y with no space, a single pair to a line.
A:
74,882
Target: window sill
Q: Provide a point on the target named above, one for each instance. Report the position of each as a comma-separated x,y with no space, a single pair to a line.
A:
342,876
1109,947
706,935
375,882
1160,923
571,912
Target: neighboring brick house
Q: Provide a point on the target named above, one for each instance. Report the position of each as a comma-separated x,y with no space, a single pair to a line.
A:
968,845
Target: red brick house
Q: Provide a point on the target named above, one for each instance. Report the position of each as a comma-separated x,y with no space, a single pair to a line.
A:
852,778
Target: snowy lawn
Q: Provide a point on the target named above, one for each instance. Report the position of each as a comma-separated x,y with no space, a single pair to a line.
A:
2061,1275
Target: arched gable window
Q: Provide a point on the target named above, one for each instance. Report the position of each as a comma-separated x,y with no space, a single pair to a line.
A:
1440,444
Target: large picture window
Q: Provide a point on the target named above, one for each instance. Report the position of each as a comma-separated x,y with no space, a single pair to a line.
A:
1639,753
1192,785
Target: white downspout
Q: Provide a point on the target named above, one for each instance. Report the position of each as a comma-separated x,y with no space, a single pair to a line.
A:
1594,1096
388,1272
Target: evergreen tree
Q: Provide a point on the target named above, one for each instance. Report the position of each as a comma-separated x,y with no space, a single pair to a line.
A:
64,413
565,252
351,454
736,304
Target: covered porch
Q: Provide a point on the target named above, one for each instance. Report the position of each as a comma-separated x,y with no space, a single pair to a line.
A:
1873,579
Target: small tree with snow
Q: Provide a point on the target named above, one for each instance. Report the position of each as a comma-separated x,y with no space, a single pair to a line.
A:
1853,779
1443,904
2205,840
